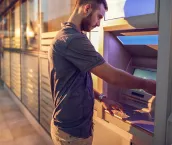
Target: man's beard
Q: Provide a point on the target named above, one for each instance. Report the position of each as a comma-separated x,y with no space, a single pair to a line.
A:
86,23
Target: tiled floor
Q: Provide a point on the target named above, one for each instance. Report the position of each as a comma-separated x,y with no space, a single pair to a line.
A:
15,129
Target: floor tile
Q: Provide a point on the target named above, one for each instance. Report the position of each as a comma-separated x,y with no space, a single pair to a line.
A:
15,128
33,139
22,130
5,135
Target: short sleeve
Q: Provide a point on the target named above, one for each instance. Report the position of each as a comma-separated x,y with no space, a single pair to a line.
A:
81,53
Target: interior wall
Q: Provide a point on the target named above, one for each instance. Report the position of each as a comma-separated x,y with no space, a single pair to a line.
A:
117,56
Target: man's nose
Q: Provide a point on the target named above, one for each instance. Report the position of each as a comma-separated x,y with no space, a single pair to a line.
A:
98,23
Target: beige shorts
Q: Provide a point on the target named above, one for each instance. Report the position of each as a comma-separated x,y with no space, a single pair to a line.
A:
59,137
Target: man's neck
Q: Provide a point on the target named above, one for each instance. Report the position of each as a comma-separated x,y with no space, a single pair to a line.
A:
75,19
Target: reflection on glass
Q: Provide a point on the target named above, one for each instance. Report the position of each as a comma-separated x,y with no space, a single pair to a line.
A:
54,12
30,25
6,28
15,27
4,4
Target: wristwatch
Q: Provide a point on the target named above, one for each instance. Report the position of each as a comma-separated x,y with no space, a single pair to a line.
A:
101,96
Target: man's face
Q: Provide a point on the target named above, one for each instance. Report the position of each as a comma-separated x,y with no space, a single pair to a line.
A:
93,19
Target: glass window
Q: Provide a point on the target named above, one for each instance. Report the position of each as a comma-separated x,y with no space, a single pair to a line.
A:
129,8
15,26
30,25
3,5
139,40
54,12
6,3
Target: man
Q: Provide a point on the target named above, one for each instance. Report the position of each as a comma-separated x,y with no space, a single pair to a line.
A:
72,59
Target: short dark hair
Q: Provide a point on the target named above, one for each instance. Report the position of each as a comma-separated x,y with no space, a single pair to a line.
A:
82,2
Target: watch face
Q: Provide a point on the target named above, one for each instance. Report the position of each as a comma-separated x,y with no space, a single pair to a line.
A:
102,96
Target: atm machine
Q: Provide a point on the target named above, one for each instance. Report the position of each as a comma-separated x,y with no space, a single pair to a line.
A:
130,44
140,60
137,120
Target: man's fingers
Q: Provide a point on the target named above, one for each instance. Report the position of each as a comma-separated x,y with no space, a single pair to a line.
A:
110,111
117,106
112,106
109,108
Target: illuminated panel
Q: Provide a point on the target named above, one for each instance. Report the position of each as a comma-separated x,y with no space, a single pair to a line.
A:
145,74
94,38
139,40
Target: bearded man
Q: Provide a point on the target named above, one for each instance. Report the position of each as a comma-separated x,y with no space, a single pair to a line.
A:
72,59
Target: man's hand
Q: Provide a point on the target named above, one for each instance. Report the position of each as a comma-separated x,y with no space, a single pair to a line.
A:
111,105
150,87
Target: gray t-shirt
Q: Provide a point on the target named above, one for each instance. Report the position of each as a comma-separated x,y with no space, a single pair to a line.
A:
71,57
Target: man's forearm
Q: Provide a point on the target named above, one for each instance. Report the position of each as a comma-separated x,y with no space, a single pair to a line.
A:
126,80
123,79
118,77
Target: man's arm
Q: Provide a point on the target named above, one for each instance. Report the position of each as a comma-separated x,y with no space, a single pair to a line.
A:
123,79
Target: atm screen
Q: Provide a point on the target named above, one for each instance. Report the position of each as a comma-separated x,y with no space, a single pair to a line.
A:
145,74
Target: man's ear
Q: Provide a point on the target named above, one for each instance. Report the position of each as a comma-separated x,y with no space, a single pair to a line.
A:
87,9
